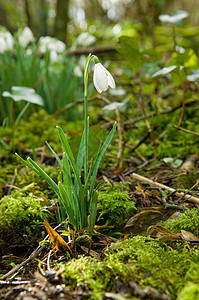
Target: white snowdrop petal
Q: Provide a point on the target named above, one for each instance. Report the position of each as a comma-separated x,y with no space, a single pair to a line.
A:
101,78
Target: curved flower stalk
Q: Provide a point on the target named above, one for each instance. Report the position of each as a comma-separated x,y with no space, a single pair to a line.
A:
78,198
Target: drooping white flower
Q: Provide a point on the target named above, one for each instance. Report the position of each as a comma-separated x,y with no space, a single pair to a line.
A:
102,78
26,37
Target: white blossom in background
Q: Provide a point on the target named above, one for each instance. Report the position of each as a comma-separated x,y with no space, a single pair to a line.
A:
54,46
85,39
180,49
51,44
102,78
78,71
2,45
6,41
176,18
54,57
26,37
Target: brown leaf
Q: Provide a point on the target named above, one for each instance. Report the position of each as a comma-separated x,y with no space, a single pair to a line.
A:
164,234
141,188
141,221
60,244
90,252
188,236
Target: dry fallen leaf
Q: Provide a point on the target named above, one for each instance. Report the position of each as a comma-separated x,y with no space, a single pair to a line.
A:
188,236
56,239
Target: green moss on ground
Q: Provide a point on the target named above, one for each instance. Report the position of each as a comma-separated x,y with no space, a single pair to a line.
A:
19,212
189,221
115,207
141,259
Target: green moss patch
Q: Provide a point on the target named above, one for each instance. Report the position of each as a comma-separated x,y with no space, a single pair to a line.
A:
141,259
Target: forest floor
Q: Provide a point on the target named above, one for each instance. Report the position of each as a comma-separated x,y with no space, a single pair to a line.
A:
145,244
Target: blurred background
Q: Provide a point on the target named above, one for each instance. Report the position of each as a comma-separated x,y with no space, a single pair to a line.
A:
67,18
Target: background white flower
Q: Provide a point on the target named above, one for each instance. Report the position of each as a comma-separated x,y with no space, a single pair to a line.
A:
85,39
6,41
102,78
26,37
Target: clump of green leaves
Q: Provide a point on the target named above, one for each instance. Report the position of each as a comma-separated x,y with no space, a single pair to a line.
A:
77,200
114,205
141,259
189,220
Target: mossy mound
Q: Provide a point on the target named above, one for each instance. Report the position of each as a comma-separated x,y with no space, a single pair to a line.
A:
141,259
189,220
115,207
20,218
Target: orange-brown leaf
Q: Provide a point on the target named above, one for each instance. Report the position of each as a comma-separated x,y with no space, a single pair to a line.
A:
60,244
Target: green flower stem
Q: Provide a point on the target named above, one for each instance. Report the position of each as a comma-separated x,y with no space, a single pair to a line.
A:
86,118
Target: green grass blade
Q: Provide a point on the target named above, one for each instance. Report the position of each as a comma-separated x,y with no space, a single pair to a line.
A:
55,155
100,156
44,175
80,160
27,163
71,158
93,211
66,203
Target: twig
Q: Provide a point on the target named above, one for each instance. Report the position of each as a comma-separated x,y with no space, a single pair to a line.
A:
71,105
153,114
2,282
30,258
162,186
93,50
121,139
191,188
186,130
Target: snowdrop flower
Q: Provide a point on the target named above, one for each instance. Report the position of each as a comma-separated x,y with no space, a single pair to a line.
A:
54,56
26,37
102,78
9,40
6,41
3,47
177,17
51,44
85,39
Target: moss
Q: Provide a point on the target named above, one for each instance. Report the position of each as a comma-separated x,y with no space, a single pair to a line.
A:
189,220
114,205
141,259
41,187
20,212
189,292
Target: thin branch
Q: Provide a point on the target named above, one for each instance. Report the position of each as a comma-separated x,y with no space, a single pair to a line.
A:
162,186
186,130
93,50
73,104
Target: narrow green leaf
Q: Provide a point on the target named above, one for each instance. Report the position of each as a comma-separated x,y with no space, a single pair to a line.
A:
55,155
93,211
100,156
66,202
70,156
44,175
27,163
